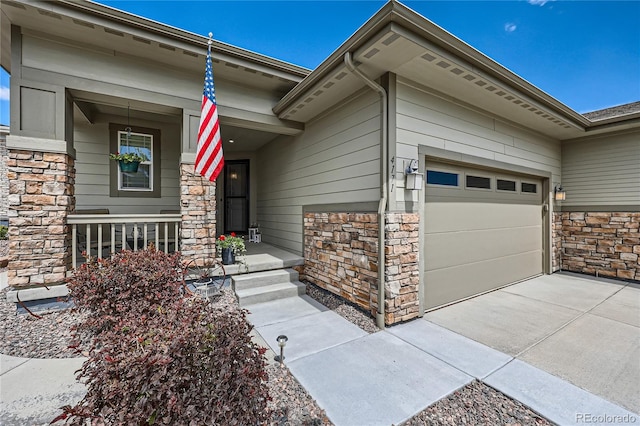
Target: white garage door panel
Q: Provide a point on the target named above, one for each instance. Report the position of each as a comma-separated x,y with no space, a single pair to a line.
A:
477,240
445,250
465,216
450,284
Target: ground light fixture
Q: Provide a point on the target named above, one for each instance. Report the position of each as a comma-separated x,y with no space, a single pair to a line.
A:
282,342
559,194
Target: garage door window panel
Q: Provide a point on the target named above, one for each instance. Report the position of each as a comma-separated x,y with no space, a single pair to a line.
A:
437,177
474,181
506,185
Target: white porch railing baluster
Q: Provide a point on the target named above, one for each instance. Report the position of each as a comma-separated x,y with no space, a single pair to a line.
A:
99,248
87,233
74,245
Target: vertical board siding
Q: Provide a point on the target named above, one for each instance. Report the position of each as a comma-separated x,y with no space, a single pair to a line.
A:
425,119
92,169
602,171
336,160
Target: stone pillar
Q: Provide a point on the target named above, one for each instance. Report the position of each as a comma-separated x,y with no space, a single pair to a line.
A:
41,195
556,242
401,269
198,209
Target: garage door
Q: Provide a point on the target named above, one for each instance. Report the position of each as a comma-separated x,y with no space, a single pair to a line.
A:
483,230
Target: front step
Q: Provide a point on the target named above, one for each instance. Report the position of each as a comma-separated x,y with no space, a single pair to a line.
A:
266,286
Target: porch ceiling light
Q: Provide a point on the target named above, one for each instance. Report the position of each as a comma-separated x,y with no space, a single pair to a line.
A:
559,194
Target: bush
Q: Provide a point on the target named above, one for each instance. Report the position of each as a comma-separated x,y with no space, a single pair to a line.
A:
3,232
178,360
126,284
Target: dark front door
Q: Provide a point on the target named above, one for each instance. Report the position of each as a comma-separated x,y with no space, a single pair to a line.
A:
236,196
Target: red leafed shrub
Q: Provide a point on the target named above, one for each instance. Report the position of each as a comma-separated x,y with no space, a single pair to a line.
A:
126,284
180,361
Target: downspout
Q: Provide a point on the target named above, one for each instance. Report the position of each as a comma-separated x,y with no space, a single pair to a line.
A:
382,205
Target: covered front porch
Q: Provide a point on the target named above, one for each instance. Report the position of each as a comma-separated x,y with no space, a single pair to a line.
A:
76,105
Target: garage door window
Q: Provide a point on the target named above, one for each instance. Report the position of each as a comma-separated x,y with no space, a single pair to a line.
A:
506,185
442,178
479,182
529,188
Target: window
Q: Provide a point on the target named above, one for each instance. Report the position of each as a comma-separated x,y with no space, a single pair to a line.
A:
506,185
142,144
145,183
478,182
529,188
442,178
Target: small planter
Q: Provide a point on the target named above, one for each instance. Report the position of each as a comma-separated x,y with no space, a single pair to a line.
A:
131,167
228,256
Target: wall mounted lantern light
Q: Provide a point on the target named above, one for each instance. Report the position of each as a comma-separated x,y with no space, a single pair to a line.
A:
413,178
559,194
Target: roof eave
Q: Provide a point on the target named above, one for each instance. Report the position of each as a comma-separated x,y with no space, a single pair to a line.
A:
404,16
180,35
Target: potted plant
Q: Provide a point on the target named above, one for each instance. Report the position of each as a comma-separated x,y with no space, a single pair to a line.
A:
128,161
230,246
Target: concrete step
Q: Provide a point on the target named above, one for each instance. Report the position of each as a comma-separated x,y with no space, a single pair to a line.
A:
249,296
264,278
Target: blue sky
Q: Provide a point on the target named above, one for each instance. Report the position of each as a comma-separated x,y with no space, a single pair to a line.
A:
586,54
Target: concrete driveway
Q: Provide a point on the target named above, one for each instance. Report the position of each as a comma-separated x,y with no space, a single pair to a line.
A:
583,330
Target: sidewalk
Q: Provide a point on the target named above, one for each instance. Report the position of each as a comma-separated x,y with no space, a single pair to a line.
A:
387,377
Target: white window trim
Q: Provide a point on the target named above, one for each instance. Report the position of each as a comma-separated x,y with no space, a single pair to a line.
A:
149,163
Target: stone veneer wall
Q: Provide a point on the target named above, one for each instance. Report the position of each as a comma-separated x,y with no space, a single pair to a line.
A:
4,180
402,272
41,196
556,241
341,256
603,244
198,209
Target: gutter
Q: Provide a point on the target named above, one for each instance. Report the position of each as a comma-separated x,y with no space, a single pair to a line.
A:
382,204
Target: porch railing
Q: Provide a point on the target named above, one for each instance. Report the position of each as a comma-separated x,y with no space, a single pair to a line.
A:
101,235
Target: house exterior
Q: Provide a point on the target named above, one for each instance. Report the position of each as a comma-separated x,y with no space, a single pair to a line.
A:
407,167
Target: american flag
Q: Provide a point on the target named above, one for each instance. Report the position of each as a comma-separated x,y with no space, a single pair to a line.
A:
209,159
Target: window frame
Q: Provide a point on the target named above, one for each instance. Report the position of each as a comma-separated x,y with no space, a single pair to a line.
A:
115,130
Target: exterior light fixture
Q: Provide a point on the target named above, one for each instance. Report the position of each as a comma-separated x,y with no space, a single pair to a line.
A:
559,194
413,178
282,342
233,175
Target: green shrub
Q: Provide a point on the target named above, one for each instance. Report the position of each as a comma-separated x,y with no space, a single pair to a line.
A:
165,359
3,232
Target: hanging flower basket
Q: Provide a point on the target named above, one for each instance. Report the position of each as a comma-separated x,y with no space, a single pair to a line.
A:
131,167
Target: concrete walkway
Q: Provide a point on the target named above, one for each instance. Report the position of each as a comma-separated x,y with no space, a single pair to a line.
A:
527,340
565,346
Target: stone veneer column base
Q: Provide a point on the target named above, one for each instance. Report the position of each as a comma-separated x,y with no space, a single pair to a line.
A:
602,244
198,209
341,256
402,272
41,196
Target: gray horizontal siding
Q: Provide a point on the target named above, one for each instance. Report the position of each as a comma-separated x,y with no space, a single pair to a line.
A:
336,160
425,119
92,169
602,171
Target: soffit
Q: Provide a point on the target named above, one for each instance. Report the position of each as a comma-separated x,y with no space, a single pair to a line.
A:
54,20
395,49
